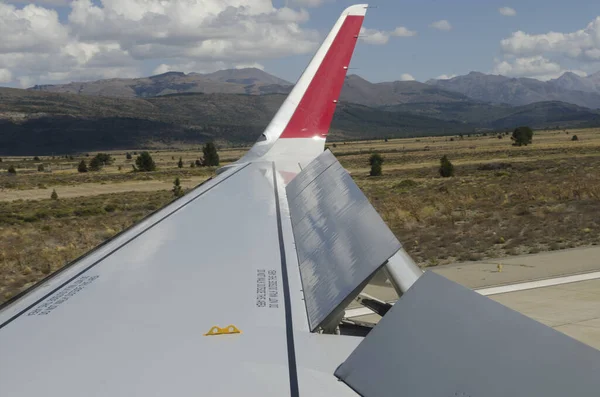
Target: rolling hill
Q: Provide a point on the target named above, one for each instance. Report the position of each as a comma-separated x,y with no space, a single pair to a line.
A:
33,122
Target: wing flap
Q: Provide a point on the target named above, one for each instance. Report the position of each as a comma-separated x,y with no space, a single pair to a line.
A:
442,339
340,238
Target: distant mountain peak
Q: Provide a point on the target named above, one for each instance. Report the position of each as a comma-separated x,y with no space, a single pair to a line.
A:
168,74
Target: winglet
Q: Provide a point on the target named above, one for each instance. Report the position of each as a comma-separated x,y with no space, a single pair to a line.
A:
308,110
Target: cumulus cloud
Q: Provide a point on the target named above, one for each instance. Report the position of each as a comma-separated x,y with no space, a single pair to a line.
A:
5,76
507,11
379,37
445,77
441,25
536,66
401,31
545,55
309,3
583,44
115,38
43,2
406,77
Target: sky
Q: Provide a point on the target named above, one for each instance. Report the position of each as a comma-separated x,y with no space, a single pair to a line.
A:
58,41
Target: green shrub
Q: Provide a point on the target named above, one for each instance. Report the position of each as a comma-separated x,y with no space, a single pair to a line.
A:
211,157
522,136
145,163
12,170
177,190
446,167
54,195
82,167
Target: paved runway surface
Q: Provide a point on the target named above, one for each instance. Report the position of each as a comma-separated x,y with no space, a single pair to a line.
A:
570,307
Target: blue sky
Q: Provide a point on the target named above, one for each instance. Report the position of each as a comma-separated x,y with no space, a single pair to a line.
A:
471,45
55,41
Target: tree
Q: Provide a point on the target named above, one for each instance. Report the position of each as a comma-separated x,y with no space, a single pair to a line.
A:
99,161
12,170
145,163
574,138
0,160
41,168
211,157
376,162
180,163
446,167
95,164
522,136
36,158
54,195
177,190
128,156
82,167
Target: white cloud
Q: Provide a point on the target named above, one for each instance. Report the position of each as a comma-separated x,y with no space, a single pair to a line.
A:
548,55
401,31
379,37
5,76
441,25
406,77
309,3
117,37
445,77
507,11
535,67
254,65
43,2
583,44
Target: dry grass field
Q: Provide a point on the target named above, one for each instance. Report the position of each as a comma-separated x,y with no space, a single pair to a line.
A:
503,200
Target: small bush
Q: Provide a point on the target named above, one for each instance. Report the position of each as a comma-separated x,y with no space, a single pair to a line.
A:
522,136
54,195
494,166
407,184
446,167
145,163
110,207
36,158
177,190
82,167
180,163
12,170
376,162
128,156
574,138
40,168
198,163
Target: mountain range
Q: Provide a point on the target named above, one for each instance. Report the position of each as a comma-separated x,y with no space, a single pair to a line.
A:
473,87
570,88
234,106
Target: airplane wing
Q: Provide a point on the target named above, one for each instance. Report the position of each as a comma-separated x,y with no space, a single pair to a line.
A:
238,288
